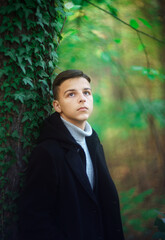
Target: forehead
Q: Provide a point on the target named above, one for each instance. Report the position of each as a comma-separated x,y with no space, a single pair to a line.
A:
75,83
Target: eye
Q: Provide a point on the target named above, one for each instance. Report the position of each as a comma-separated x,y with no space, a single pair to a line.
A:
71,94
87,93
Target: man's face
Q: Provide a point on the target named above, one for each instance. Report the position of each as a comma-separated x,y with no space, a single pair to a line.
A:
75,101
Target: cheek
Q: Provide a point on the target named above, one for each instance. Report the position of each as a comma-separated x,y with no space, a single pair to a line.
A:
91,104
91,101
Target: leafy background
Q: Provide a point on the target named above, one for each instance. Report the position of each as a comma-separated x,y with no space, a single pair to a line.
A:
121,46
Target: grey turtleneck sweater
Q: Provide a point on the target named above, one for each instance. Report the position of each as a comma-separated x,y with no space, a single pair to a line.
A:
79,135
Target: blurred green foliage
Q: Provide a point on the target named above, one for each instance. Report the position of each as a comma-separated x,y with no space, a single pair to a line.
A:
128,81
135,215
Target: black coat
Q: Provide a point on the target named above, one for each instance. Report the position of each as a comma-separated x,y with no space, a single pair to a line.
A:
57,202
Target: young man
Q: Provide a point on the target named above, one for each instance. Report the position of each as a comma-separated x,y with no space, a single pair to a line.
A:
69,194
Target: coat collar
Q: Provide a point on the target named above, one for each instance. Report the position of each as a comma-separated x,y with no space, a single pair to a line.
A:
54,128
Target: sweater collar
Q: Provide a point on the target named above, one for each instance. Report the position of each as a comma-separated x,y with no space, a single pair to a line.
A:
54,128
78,134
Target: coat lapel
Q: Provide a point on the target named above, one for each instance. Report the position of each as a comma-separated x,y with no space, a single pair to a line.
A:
75,163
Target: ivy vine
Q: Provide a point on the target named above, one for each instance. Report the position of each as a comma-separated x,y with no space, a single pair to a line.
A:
30,32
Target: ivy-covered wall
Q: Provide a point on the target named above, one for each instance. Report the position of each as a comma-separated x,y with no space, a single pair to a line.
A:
30,34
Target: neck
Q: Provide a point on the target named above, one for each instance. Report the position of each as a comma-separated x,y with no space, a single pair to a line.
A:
80,124
78,133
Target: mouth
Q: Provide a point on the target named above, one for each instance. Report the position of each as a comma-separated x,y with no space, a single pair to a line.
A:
82,109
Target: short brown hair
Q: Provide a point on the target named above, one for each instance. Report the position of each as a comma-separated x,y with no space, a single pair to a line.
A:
61,77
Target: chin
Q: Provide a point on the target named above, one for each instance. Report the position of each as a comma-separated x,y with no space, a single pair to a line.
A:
83,119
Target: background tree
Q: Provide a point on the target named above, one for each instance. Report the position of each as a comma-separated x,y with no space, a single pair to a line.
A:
30,34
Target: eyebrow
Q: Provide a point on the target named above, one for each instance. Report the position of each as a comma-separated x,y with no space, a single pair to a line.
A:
73,90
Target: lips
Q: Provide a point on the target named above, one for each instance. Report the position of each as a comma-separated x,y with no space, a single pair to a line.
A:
82,109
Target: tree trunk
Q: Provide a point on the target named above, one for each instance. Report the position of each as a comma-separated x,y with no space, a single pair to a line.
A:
30,33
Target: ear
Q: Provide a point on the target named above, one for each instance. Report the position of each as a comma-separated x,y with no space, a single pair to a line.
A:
56,106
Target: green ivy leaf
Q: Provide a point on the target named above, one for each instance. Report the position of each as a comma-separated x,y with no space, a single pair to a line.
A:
45,22
25,38
19,24
28,48
28,80
27,12
44,82
54,55
18,6
41,64
31,96
28,59
134,23
21,50
15,39
43,74
36,49
15,134
22,66
43,47
38,13
35,106
19,59
19,96
9,105
6,20
11,54
51,65
40,39
58,26
30,67
52,45
25,118
40,23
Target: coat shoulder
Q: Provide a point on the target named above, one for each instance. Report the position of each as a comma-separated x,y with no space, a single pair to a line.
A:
51,146
45,153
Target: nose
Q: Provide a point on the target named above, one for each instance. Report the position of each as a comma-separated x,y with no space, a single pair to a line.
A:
82,98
